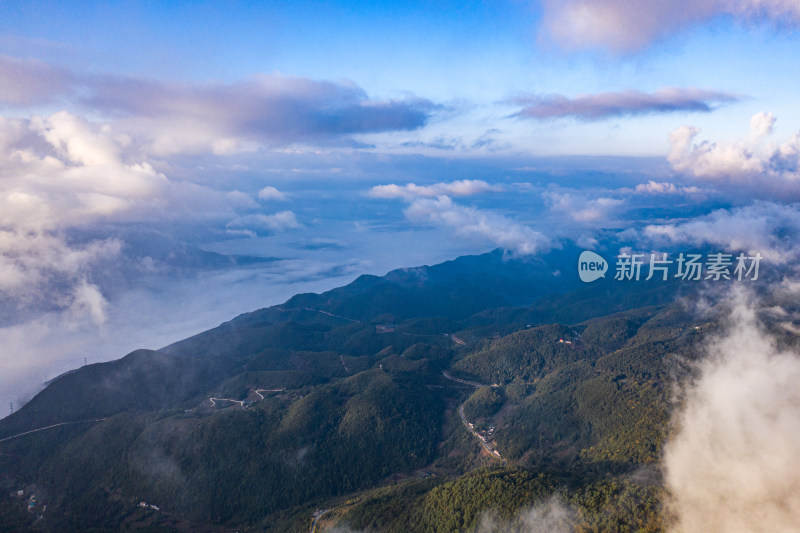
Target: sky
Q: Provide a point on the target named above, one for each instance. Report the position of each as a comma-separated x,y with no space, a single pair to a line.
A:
165,166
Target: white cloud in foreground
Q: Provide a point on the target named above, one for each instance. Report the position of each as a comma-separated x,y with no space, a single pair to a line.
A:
734,463
410,191
749,162
471,223
629,25
763,227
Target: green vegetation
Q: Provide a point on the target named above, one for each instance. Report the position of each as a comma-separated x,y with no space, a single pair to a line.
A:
619,505
503,497
528,354
484,402
455,505
334,440
359,418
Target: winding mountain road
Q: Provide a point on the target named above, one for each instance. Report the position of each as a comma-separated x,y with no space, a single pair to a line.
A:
481,439
214,404
48,427
464,381
316,516
478,436
242,402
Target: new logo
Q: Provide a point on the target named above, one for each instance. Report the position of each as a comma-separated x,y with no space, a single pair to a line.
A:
591,266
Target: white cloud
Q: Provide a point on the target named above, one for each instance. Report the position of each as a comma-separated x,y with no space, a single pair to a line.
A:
655,187
629,25
469,222
762,168
257,224
266,110
763,227
241,199
62,173
56,173
28,257
582,208
87,299
734,462
62,170
411,190
271,193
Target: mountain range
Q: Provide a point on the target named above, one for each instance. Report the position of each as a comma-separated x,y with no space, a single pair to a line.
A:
435,398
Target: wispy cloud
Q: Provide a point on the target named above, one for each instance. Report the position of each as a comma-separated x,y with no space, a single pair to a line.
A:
628,103
665,187
259,224
29,81
472,223
452,188
62,171
433,205
630,25
583,207
548,516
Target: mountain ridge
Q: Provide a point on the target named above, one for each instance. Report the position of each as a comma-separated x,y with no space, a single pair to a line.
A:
257,422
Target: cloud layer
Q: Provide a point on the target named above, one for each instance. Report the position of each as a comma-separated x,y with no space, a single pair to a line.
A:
61,172
629,103
630,25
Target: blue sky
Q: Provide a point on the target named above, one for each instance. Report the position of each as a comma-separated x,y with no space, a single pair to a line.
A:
355,137
474,54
